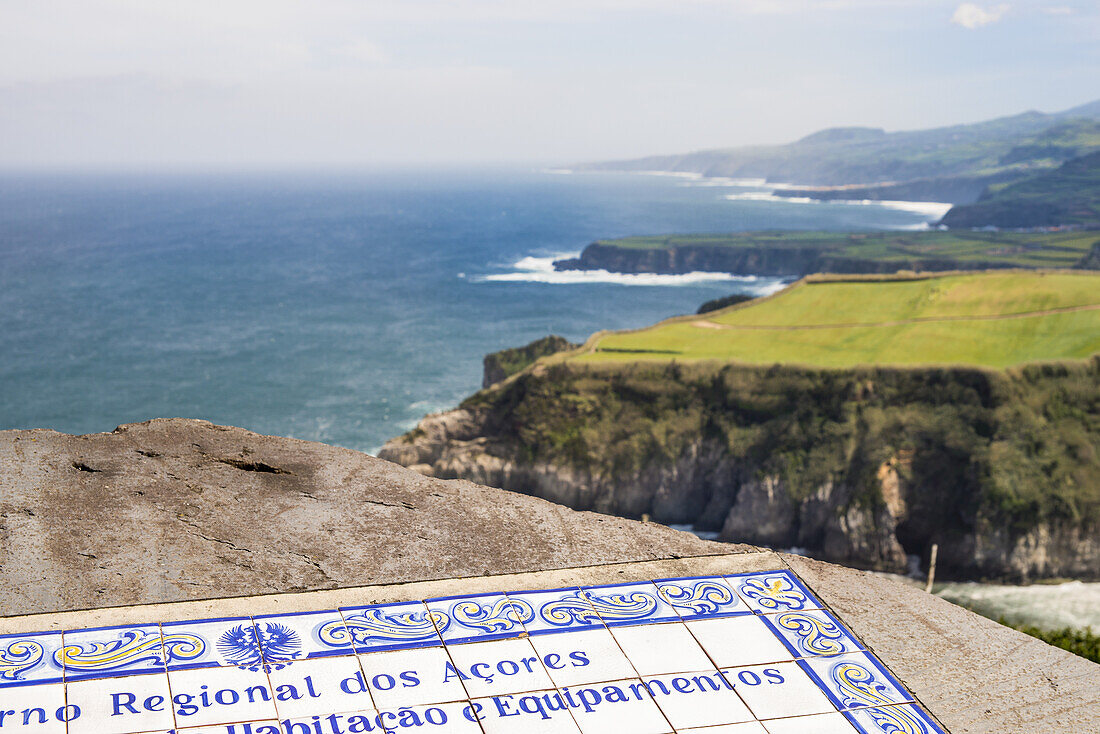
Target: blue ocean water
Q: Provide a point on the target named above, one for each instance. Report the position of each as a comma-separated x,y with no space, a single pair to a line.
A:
337,307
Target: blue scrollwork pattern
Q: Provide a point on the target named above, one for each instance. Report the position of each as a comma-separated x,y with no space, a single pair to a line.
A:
618,607
703,597
774,593
132,648
381,626
20,657
858,686
812,634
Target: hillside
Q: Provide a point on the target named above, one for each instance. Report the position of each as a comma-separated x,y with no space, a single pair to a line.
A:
992,320
953,163
861,419
1069,195
801,253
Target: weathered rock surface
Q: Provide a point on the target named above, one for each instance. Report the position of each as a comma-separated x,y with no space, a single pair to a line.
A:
181,509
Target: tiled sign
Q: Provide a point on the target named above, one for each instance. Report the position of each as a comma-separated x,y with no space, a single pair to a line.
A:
746,654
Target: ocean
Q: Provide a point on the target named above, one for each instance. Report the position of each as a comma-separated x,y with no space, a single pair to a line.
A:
331,307
342,308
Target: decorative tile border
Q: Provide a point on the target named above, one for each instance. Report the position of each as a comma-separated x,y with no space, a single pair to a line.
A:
29,659
642,657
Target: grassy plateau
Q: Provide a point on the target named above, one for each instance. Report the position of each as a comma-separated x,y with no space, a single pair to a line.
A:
988,319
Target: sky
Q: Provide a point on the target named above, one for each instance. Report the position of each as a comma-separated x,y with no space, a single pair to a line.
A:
151,84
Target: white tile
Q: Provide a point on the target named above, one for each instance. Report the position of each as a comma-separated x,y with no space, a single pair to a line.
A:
208,643
328,685
33,704
736,641
636,603
833,723
615,707
270,726
438,718
136,703
29,659
654,649
420,675
205,696
590,656
285,637
856,680
749,727
701,597
774,691
500,666
699,699
538,712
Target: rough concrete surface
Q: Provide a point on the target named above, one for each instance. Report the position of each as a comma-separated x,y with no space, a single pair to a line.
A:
178,509
172,510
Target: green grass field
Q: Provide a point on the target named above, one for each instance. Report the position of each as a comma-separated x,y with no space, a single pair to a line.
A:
992,319
1023,249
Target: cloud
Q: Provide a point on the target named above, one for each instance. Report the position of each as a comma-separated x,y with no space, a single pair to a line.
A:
972,16
1058,10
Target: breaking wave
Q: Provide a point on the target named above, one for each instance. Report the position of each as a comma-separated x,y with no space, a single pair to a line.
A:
538,269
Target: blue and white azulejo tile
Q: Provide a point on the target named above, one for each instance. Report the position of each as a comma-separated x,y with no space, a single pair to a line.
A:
773,591
855,680
812,632
386,627
285,638
902,719
622,604
701,597
212,643
29,659
108,652
475,618
558,610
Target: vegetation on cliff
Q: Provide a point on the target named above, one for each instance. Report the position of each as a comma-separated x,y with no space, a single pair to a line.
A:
995,319
800,253
499,366
1069,195
861,466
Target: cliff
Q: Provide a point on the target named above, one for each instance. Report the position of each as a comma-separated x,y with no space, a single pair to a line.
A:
860,466
499,366
795,253
1068,196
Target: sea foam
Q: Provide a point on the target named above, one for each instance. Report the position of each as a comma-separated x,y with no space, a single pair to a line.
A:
540,269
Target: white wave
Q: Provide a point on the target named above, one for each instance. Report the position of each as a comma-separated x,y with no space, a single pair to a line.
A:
726,183
538,269
559,171
1072,604
932,210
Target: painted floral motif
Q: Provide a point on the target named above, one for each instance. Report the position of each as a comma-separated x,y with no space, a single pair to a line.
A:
569,610
20,657
813,634
897,720
702,597
132,648
496,616
858,686
629,606
774,593
378,626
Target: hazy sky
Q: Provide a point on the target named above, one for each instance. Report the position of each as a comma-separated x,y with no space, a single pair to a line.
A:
361,82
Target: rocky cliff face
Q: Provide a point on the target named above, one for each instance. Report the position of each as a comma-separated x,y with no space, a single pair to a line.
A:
897,461
770,261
